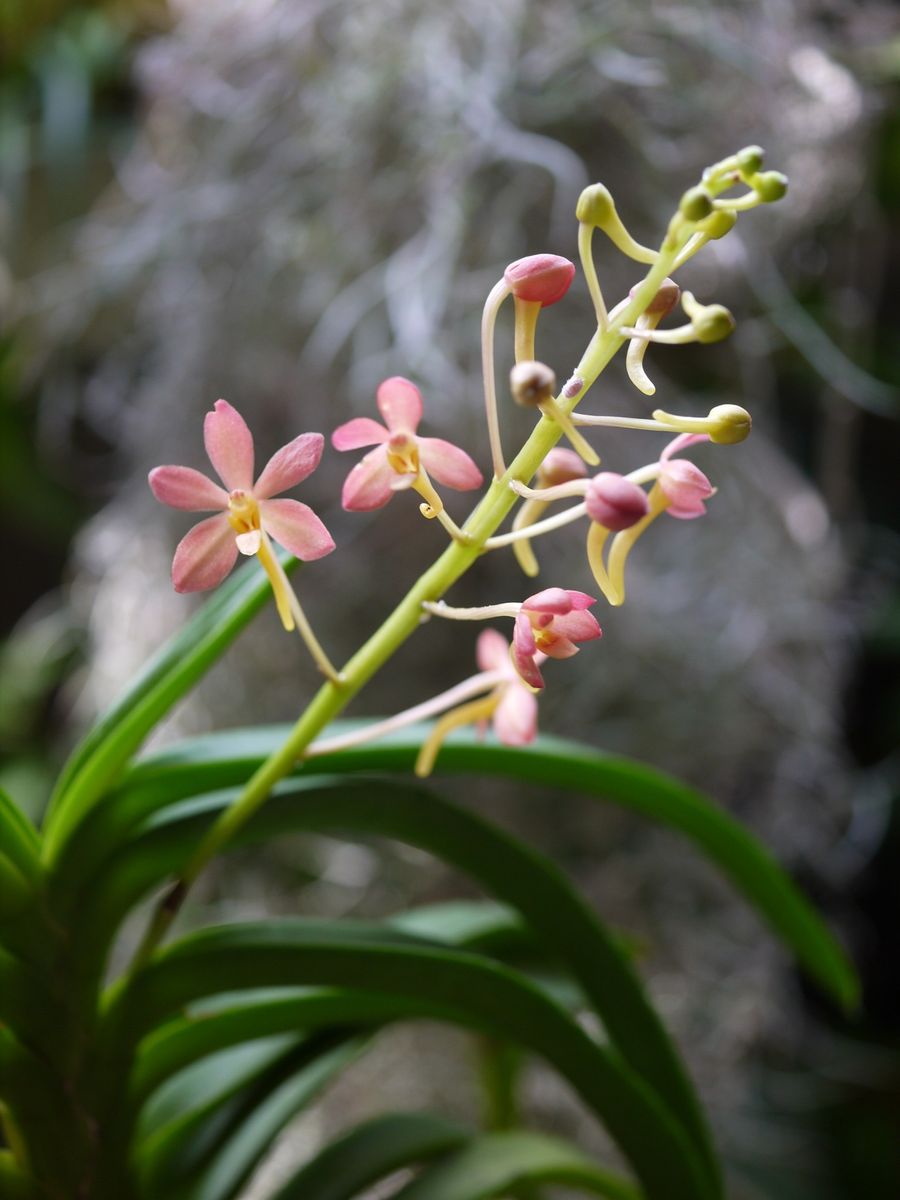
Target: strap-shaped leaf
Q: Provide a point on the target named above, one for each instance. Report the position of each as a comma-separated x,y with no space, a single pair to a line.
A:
486,995
19,840
14,1183
507,868
210,1152
499,1163
188,769
369,1152
97,761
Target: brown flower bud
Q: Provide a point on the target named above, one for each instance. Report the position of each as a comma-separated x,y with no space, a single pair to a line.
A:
532,383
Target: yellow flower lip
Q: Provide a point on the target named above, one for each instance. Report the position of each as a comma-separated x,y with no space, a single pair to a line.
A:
243,511
403,453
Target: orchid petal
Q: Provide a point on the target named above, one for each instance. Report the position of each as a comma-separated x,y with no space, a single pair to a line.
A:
492,651
296,527
687,511
523,652
368,485
577,625
400,403
681,443
361,431
183,487
560,647
448,464
249,543
204,556
557,600
229,444
290,465
515,718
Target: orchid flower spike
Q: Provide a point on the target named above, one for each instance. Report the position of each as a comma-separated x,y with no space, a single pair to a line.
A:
247,514
560,466
548,623
536,282
401,458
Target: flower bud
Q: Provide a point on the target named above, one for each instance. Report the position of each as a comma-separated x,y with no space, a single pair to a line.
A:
532,383
615,502
711,322
718,223
595,206
696,203
729,424
749,160
560,466
664,301
769,186
540,278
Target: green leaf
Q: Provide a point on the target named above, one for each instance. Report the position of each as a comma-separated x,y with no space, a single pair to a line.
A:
201,764
14,1183
498,1163
486,996
96,763
19,840
533,885
209,1151
363,1156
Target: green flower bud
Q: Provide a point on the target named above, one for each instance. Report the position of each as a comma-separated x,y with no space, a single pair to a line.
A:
696,203
769,186
730,424
595,206
749,161
711,322
718,223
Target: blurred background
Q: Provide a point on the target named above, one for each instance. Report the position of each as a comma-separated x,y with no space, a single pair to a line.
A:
284,201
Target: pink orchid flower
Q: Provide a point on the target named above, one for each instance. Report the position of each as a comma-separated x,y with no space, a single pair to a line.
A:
614,501
245,512
684,484
514,720
550,623
400,455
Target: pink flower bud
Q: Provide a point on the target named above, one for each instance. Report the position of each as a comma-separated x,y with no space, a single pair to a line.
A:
543,278
686,488
615,502
561,466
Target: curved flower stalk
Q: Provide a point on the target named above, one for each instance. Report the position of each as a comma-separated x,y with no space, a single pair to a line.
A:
532,385
560,466
248,515
401,458
549,624
536,282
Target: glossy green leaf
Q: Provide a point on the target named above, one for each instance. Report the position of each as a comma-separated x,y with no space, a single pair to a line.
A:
203,763
101,756
499,1163
363,1156
513,872
486,996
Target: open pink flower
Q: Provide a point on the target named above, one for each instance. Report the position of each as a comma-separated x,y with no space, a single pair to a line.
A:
400,454
514,719
685,485
245,512
550,623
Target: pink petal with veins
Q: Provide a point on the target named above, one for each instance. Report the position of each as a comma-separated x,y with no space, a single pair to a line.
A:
229,444
400,403
290,465
515,718
183,487
492,651
448,464
296,527
368,485
361,431
204,556
681,443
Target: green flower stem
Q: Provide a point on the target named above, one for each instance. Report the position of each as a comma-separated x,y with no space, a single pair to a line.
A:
330,700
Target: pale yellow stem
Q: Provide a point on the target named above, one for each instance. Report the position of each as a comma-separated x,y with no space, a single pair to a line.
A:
478,710
634,357
434,506
596,541
585,237
530,511
622,543
579,444
527,313
496,296
285,595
